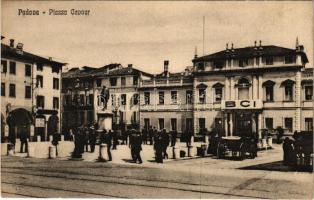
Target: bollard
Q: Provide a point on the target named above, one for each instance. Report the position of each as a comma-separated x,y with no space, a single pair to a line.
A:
31,151
62,137
52,152
264,143
38,138
175,152
102,152
50,138
191,151
270,141
10,149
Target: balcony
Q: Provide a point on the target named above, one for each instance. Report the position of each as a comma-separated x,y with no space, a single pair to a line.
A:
165,107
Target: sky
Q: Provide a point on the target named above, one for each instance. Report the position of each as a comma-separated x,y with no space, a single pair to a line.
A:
147,33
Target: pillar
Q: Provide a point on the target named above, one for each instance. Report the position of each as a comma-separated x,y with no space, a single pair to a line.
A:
259,125
232,89
226,123
298,101
231,124
254,88
227,89
260,87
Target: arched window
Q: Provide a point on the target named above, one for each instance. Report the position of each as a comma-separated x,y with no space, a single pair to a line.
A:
288,89
269,90
218,91
243,88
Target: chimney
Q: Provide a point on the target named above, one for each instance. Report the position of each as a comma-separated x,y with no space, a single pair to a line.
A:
166,65
130,65
232,47
195,53
12,43
19,46
227,48
260,44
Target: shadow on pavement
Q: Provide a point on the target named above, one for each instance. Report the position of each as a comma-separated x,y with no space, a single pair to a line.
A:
275,166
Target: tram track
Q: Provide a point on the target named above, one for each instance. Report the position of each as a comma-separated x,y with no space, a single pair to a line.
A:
177,186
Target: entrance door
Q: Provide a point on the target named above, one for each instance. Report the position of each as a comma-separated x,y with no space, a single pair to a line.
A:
243,124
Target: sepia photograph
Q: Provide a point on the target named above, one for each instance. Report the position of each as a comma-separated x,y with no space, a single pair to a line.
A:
157,99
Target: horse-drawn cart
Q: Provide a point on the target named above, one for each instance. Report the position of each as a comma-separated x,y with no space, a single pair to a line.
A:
238,146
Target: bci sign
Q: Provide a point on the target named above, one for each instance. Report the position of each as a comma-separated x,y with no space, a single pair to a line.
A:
241,104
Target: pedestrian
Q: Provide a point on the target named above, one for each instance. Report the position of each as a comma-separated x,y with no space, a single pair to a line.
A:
125,134
188,138
155,133
106,139
137,147
279,134
23,139
158,148
55,141
114,139
144,135
132,145
165,143
150,135
86,137
173,138
92,138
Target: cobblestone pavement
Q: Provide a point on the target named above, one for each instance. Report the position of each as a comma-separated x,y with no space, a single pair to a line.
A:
263,177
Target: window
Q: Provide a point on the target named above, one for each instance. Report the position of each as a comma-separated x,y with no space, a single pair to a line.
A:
161,97
113,81
39,81
28,70
308,124
12,67
123,81
288,124
219,64
55,83
28,92
269,92
288,93
3,89
229,62
243,62
269,60
54,69
123,99
257,61
146,98
98,83
135,80
243,88
12,90
40,102
189,124
135,99
39,67
173,124
82,98
289,59
202,96
218,94
161,123
218,122
174,97
308,90
200,66
90,99
201,123
269,123
55,102
189,96
3,66
146,123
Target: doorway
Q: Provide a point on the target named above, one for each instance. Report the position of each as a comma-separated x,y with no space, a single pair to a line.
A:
243,124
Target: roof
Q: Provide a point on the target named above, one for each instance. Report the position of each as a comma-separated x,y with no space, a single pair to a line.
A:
78,73
117,70
9,52
248,52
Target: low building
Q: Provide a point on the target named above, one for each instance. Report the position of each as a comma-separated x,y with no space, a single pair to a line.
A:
30,92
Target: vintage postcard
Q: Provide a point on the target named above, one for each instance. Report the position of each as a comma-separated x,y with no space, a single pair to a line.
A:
157,99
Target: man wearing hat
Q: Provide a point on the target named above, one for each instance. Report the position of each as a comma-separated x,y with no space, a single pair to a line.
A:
92,138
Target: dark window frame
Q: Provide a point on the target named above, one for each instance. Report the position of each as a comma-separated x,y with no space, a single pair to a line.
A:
147,98
269,89
269,60
12,90
269,123
2,89
40,67
123,99
40,81
189,96
113,81
28,92
308,96
28,70
4,66
55,103
12,65
40,101
161,97
55,83
288,123
123,81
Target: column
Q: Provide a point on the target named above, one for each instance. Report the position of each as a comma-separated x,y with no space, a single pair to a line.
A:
226,123
231,123
232,89
259,125
260,87
298,101
254,88
227,89
231,63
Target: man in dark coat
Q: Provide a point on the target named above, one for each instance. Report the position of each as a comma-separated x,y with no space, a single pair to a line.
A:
23,138
86,137
279,134
150,135
136,146
173,138
144,135
165,143
158,148
92,138
106,139
114,139
55,141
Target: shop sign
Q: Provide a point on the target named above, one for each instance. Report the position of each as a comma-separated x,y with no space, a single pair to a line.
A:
241,104
40,122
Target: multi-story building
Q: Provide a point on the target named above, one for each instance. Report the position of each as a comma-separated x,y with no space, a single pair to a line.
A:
121,85
244,90
167,101
77,98
30,93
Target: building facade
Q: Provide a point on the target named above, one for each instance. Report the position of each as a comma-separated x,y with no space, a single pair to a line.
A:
30,92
